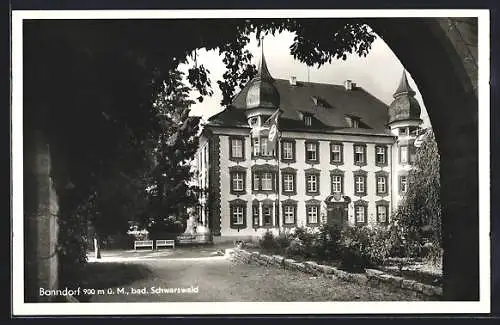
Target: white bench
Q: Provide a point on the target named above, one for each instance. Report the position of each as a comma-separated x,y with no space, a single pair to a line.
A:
165,243
143,243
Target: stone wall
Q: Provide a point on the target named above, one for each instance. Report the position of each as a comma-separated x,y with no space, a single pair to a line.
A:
40,219
371,277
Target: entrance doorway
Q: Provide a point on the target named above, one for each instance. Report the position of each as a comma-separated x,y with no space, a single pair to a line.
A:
336,213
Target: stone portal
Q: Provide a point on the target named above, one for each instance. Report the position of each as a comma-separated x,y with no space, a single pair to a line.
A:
336,209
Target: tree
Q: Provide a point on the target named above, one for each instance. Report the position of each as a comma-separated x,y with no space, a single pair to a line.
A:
418,219
174,148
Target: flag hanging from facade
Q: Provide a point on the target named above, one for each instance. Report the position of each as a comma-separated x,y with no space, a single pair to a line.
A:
272,124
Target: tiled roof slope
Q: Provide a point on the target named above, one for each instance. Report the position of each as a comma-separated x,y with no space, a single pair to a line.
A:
295,100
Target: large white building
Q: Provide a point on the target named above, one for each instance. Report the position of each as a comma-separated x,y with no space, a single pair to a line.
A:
344,157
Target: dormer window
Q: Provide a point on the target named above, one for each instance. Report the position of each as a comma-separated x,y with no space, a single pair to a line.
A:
307,120
318,101
254,121
352,121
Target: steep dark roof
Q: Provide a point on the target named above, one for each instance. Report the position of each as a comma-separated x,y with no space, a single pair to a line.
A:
330,115
404,87
404,106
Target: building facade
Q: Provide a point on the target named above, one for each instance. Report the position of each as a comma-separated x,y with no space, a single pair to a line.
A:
343,156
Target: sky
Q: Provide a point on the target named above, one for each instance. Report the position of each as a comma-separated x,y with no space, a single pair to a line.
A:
378,73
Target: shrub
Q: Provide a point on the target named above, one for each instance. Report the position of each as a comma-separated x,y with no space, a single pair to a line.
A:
353,253
283,241
404,244
326,242
380,245
306,238
268,242
432,253
362,247
295,248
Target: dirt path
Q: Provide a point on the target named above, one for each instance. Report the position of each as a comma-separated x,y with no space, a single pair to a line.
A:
216,278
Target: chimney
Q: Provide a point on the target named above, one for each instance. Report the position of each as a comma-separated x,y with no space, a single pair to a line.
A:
293,80
348,84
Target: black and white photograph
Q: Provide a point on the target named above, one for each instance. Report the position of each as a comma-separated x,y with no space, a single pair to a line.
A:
250,162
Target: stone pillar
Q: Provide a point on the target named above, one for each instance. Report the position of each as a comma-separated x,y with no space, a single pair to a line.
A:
41,208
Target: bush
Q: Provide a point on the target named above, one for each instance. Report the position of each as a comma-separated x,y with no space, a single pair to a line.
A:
325,246
306,238
268,242
283,241
295,248
404,245
353,253
432,253
362,247
381,245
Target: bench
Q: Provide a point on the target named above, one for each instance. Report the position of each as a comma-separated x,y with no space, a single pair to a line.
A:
165,243
143,243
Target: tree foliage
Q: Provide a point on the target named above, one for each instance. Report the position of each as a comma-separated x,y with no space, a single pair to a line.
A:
418,218
173,148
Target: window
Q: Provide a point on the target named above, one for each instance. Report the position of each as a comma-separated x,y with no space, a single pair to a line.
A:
360,214
381,184
237,176
380,156
312,183
267,214
256,181
382,212
359,154
289,214
403,154
267,181
287,150
307,120
263,148
413,130
237,181
312,152
360,184
336,153
403,184
352,121
403,131
312,214
254,121
255,215
288,183
413,154
336,184
238,214
263,180
237,148
260,148
256,147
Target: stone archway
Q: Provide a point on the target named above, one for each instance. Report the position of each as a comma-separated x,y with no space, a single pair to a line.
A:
441,55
